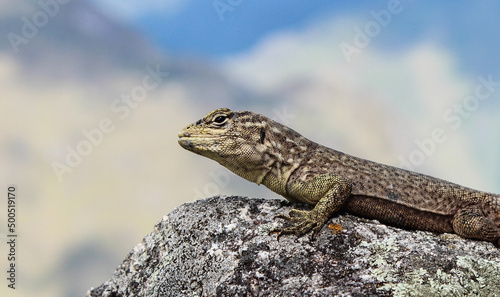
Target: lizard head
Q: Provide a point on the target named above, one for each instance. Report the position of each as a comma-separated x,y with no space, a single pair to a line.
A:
224,134
237,140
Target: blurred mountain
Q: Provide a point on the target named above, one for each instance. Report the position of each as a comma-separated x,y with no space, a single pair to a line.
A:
76,41
72,39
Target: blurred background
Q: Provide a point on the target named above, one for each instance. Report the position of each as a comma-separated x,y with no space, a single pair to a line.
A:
94,92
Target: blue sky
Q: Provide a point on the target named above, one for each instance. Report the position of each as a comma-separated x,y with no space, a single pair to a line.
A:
469,29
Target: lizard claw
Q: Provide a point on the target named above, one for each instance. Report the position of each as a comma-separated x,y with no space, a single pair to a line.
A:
305,221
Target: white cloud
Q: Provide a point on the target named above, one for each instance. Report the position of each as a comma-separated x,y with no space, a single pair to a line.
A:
314,53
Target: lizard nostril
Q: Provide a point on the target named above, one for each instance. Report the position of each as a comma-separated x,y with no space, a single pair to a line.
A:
184,133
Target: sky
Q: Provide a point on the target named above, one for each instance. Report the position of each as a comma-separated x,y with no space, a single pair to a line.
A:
215,29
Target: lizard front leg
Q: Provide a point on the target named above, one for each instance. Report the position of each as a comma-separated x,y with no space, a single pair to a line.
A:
327,192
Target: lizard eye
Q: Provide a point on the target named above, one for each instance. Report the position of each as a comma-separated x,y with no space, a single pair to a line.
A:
220,120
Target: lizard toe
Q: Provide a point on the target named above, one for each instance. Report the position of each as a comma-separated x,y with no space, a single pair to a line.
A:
283,216
298,213
303,225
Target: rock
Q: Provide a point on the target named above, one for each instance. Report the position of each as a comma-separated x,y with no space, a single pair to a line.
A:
220,246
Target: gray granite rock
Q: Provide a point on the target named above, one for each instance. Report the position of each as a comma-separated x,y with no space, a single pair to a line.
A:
220,246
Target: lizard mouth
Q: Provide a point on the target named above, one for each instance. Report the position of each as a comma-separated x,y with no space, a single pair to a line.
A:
192,142
186,143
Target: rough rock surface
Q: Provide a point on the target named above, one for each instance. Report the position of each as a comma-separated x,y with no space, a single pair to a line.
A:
220,246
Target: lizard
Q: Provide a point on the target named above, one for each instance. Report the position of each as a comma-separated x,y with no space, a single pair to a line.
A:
266,152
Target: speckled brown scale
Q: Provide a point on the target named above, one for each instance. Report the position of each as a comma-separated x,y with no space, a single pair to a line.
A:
266,152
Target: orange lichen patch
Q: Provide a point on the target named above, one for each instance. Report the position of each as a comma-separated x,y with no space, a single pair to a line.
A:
336,228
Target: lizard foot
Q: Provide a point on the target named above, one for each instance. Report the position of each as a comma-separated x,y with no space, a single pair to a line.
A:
471,222
305,221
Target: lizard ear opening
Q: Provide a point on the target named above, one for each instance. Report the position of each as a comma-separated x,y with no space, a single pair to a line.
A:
262,136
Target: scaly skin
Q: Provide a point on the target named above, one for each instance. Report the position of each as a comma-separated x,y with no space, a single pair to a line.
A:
266,152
